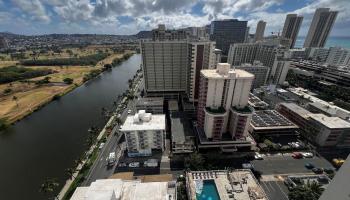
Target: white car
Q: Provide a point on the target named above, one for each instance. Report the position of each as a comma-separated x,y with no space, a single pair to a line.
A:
247,166
307,155
134,164
129,111
258,156
111,159
101,145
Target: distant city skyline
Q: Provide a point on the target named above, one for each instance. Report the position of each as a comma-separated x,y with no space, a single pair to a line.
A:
129,17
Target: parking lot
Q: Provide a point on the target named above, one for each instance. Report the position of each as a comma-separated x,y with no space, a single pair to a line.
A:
285,164
141,170
275,189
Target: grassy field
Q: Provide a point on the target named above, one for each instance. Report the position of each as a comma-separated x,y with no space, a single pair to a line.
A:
31,96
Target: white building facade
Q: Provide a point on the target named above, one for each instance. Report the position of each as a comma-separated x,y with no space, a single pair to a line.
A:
144,132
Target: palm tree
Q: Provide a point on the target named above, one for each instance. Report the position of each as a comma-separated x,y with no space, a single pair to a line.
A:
308,191
70,172
118,120
49,185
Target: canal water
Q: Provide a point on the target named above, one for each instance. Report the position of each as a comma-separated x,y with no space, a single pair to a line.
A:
48,141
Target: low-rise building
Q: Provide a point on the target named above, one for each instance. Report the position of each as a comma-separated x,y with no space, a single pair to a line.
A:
317,105
256,103
236,184
259,70
117,189
271,122
338,75
154,105
144,132
318,128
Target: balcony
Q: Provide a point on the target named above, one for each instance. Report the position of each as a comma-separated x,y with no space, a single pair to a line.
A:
219,110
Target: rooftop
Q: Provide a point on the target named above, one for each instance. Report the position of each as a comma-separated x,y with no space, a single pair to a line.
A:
224,71
270,119
297,109
256,102
110,189
330,122
324,106
151,101
240,184
147,122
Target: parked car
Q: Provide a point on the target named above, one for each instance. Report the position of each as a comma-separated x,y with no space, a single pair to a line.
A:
317,170
129,111
111,159
101,145
337,162
151,163
329,170
297,155
258,156
309,166
307,154
134,164
247,166
122,164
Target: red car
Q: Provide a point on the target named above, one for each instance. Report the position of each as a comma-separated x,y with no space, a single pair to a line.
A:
297,155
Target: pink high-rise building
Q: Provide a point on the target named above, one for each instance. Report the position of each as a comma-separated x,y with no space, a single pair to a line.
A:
222,111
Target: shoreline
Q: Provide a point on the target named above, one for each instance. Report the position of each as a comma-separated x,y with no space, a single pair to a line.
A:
69,89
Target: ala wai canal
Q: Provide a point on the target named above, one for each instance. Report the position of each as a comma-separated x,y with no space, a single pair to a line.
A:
48,141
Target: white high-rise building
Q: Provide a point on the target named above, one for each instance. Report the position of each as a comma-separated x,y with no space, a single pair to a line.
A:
222,104
320,27
165,65
279,72
144,132
260,29
172,66
291,28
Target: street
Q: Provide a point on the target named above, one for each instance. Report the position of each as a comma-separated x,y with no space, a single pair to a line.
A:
99,169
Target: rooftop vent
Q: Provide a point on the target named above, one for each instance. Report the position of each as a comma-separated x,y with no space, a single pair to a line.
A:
142,116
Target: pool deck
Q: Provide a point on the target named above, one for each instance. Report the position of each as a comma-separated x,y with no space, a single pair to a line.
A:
236,184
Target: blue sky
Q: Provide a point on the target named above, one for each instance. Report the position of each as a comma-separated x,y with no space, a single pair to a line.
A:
130,16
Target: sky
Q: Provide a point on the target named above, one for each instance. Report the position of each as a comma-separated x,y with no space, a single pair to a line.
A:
124,17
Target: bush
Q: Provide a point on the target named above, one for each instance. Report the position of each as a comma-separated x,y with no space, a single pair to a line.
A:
3,124
68,81
91,75
7,90
14,73
45,80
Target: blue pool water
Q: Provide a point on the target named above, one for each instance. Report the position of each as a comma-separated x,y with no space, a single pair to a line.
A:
209,191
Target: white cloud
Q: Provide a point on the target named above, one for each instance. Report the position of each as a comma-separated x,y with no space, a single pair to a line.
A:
34,9
174,13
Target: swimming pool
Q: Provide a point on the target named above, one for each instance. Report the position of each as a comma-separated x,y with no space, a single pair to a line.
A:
209,191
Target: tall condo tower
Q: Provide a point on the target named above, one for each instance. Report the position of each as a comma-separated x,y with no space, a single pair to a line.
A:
260,29
291,28
226,32
320,27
